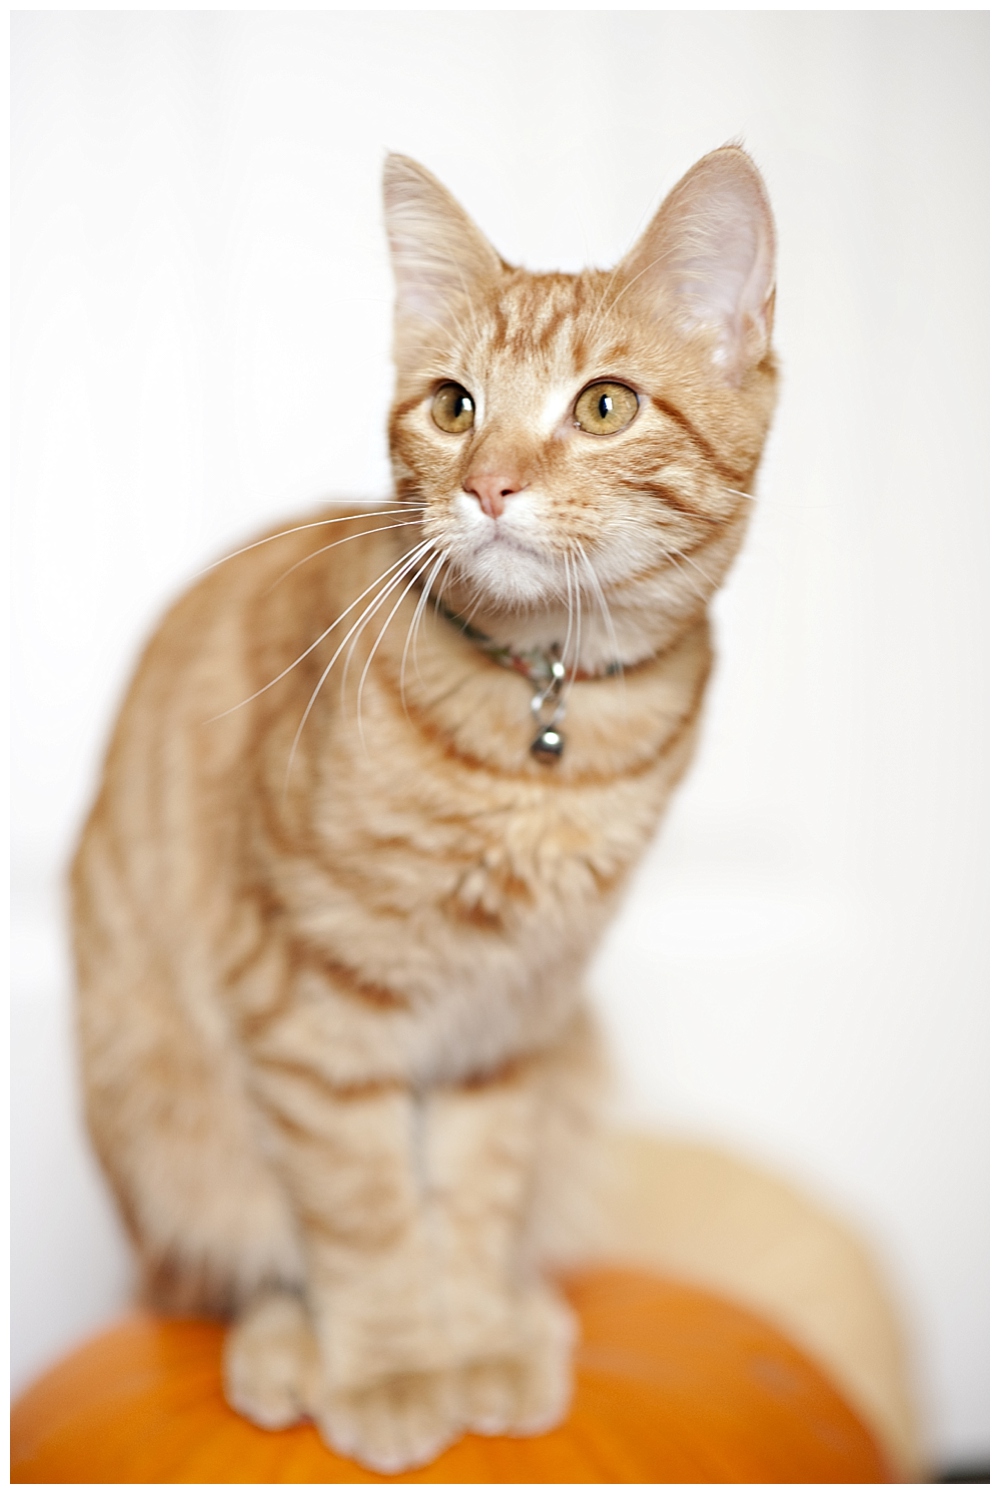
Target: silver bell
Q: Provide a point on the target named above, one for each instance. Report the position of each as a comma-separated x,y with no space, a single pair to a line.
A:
547,746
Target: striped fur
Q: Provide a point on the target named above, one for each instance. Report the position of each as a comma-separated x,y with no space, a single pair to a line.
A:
330,941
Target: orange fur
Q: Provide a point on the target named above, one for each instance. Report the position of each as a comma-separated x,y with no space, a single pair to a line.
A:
330,941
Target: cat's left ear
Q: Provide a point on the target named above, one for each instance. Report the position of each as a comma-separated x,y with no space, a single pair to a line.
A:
706,262
439,256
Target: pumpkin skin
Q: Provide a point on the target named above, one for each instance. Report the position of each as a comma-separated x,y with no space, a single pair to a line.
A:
673,1386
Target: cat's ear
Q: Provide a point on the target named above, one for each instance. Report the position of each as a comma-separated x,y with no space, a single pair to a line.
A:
706,262
439,256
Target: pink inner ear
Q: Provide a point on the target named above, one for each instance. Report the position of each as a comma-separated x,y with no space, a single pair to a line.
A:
722,275
438,253
708,257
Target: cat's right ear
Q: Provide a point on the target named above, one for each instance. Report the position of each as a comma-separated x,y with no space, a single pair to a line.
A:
439,256
705,265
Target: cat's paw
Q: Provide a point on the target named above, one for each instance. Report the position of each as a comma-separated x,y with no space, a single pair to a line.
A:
401,1422
516,1397
527,1391
270,1361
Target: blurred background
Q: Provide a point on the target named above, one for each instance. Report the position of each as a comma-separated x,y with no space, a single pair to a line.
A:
201,327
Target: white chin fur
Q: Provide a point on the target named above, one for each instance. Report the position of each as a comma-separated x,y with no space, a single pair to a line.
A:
513,577
504,557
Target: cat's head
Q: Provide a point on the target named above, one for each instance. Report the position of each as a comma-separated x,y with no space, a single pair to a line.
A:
598,430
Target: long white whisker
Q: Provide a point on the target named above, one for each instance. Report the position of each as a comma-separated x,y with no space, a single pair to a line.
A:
383,529
453,689
374,648
628,286
695,566
614,275
678,567
355,634
420,551
314,524
418,613
579,612
593,323
325,634
569,614
598,592
449,571
477,596
357,628
465,291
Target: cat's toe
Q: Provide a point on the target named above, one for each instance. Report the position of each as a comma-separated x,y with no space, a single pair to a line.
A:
270,1360
400,1423
517,1397
526,1392
492,1397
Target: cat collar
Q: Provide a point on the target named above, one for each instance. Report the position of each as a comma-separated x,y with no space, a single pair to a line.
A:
545,669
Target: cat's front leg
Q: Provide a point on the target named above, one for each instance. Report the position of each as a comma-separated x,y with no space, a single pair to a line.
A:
384,1389
511,1334
426,1314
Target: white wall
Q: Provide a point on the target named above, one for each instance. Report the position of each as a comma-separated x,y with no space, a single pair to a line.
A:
200,288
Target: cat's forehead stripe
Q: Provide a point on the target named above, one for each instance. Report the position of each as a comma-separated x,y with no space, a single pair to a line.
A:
532,313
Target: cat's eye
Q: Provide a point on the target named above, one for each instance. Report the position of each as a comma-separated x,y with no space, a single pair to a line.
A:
453,409
605,408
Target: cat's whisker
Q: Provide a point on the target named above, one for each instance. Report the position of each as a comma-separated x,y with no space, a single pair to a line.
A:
401,580
598,592
357,627
362,534
573,624
451,572
593,323
569,612
409,558
315,644
452,333
578,595
435,592
629,284
613,275
696,567
453,689
470,606
445,354
372,925
313,524
470,303
419,615
633,240
374,648
678,567
578,602
477,596
415,621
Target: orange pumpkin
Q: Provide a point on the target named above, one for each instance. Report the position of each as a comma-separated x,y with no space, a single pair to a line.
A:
673,1386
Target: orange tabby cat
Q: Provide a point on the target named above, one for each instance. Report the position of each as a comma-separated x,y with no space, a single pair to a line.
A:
373,795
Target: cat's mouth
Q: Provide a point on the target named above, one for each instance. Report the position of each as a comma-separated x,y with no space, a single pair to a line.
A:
510,569
504,538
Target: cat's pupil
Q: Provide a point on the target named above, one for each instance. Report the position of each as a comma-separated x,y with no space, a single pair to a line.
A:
604,406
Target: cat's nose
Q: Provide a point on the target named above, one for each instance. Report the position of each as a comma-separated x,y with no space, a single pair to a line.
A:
492,490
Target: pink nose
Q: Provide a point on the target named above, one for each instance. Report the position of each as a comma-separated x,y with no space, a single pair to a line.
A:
492,489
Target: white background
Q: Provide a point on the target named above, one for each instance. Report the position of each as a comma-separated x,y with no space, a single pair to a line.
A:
201,322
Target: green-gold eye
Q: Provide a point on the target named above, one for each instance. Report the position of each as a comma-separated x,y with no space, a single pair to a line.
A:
453,409
605,408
